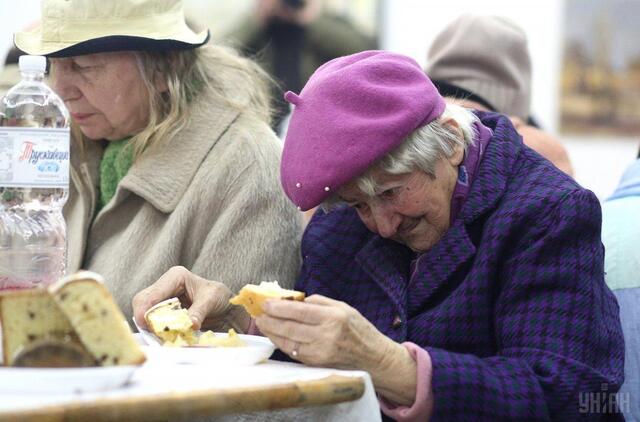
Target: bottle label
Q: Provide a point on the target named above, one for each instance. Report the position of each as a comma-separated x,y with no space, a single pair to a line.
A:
34,157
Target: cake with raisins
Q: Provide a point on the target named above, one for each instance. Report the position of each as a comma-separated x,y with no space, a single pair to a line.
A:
30,316
96,319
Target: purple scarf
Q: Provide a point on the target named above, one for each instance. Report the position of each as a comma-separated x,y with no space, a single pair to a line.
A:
469,168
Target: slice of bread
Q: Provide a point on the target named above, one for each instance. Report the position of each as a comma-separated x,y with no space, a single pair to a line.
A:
170,322
96,319
252,296
30,316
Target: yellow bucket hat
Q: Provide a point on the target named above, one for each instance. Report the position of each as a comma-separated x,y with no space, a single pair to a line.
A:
77,27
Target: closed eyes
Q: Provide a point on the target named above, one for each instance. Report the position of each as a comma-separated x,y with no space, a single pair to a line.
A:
389,193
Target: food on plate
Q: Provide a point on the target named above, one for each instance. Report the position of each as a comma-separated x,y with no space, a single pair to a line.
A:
54,353
209,338
73,322
29,316
170,322
96,319
252,296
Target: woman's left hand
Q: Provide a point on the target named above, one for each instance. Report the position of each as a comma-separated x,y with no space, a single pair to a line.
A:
326,332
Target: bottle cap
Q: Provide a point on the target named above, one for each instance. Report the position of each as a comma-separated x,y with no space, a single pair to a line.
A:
32,63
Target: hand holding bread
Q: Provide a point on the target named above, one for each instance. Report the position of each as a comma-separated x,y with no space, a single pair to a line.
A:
207,301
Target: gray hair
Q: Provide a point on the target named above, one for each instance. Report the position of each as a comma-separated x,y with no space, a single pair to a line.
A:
421,150
237,82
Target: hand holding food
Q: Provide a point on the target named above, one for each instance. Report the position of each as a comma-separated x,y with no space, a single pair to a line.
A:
207,301
324,332
171,323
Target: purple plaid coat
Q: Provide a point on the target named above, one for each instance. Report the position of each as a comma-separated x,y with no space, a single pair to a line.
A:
511,303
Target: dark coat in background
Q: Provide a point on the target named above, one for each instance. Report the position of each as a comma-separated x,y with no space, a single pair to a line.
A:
291,53
511,303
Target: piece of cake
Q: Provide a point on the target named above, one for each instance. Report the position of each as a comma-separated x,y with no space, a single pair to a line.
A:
96,319
252,296
29,316
170,322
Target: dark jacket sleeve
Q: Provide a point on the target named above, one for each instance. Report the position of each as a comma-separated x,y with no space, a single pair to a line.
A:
557,328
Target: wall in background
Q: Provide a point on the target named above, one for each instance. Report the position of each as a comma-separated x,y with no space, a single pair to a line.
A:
13,17
409,26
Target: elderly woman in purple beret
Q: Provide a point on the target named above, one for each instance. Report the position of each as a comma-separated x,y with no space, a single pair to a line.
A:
457,266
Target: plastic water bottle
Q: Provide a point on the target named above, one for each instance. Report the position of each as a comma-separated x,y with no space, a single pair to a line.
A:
34,180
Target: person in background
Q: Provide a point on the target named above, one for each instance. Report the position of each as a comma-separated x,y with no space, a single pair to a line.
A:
483,63
292,38
174,163
10,74
621,238
437,267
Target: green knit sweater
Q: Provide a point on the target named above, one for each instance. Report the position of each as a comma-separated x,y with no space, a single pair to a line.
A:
115,164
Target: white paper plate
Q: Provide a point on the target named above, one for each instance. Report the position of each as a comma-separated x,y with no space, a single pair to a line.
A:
257,349
64,380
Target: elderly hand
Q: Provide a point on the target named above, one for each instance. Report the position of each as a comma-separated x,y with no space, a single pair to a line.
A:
325,332
207,301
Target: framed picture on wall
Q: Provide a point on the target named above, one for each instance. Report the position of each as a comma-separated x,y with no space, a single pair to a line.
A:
600,81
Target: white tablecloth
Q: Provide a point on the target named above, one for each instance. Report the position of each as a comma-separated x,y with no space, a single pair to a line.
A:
161,377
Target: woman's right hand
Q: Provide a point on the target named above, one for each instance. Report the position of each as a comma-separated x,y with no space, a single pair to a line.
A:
207,301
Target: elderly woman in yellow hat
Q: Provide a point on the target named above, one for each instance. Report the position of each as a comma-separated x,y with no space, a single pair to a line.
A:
175,164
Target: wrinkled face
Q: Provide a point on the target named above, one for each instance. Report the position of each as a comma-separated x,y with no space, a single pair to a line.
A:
104,93
413,208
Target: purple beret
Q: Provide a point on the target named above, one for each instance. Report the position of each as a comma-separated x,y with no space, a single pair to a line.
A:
352,112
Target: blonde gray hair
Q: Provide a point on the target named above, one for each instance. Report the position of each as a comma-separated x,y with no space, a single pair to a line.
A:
218,71
421,150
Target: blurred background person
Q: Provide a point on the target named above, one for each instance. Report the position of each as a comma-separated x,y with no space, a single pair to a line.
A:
173,163
621,238
291,39
10,74
483,62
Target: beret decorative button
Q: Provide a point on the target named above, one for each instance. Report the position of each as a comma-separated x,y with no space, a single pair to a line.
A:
397,321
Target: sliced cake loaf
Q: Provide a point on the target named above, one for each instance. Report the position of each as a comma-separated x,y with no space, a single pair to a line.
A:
29,316
96,319
252,297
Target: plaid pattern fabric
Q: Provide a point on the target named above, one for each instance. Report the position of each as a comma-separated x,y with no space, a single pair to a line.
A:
511,303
